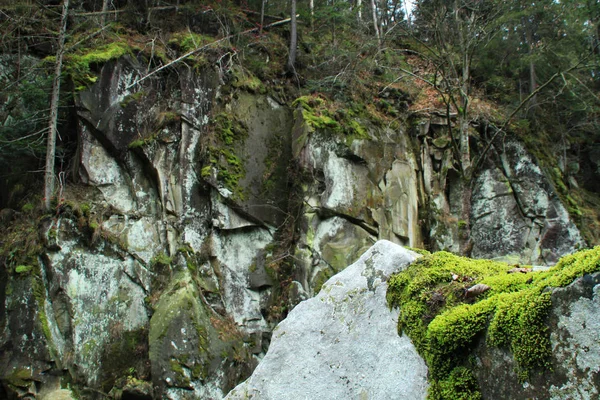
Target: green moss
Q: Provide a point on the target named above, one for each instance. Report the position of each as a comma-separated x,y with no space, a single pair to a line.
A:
188,41
39,293
166,118
460,384
229,129
422,252
132,98
206,172
320,279
446,325
23,269
180,377
315,113
27,208
141,142
223,159
321,114
78,65
358,130
518,323
246,80
161,259
85,209
20,377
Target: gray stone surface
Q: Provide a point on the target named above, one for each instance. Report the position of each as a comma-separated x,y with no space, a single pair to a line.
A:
343,343
517,216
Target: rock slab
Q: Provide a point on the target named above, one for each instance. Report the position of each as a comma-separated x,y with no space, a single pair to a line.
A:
343,343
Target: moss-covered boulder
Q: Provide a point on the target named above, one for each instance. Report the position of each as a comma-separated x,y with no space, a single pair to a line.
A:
479,321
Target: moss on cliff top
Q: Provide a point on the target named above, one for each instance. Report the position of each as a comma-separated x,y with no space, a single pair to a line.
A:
345,120
445,321
79,65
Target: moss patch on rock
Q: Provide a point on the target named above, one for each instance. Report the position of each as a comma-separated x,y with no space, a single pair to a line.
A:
223,166
446,321
79,65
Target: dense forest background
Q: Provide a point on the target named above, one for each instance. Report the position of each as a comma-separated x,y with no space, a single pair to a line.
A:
490,68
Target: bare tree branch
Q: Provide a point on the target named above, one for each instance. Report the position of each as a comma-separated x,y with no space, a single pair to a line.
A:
199,49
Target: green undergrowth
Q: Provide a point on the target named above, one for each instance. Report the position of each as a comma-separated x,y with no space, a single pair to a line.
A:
446,324
188,41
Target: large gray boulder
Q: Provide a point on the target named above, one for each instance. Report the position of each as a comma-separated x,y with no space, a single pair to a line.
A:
343,343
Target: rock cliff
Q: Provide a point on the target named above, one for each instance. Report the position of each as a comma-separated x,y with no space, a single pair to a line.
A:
207,207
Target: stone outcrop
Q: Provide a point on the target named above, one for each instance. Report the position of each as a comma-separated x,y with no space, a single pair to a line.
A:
210,205
517,215
343,343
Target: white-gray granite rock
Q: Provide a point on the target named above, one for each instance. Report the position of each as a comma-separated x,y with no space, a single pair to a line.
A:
343,343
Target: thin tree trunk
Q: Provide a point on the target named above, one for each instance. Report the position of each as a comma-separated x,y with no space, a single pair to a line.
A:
104,12
532,74
359,6
312,14
382,16
464,24
407,12
293,39
375,24
532,81
53,124
262,16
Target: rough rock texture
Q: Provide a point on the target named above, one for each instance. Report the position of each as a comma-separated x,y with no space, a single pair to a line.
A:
146,280
194,190
574,335
516,214
343,343
362,190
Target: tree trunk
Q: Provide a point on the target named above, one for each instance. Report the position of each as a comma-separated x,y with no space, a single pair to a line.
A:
293,39
53,124
359,7
262,16
464,23
104,10
382,16
532,75
375,24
